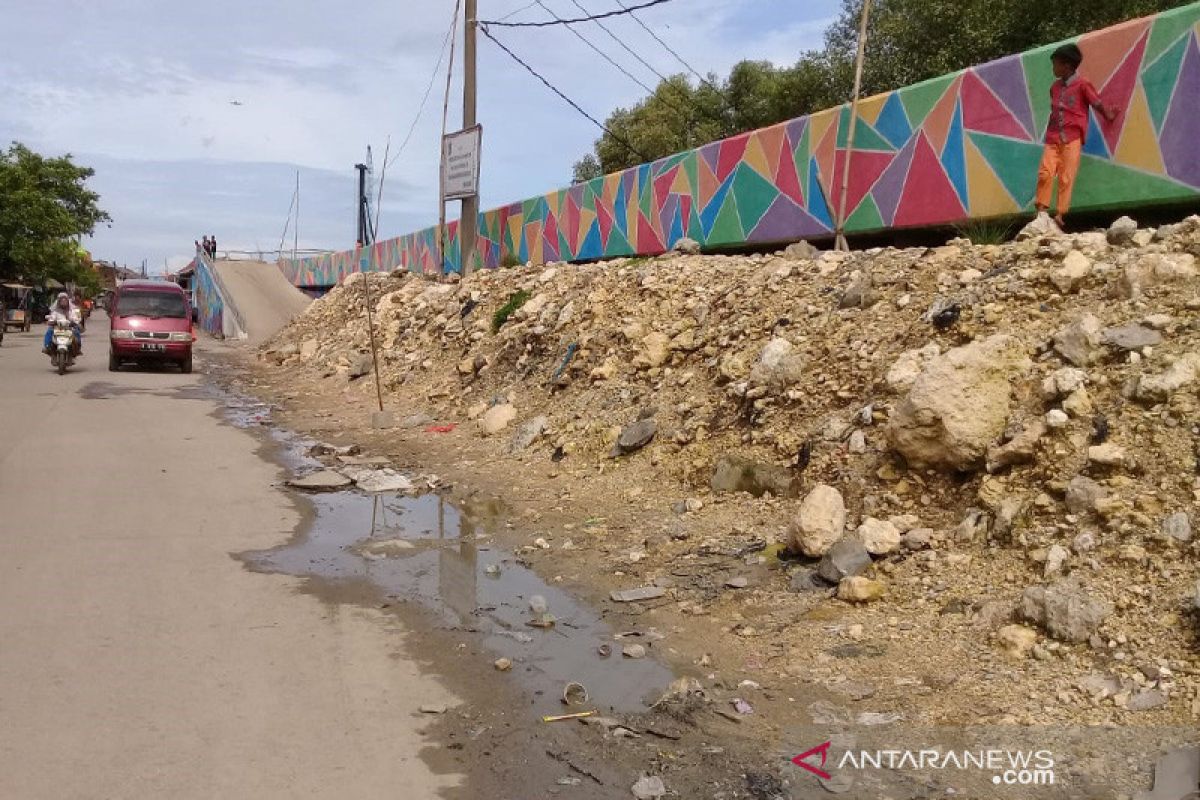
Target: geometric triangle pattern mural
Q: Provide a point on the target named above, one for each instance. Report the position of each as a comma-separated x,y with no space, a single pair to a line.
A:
956,147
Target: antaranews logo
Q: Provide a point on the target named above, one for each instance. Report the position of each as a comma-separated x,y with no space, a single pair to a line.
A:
1008,767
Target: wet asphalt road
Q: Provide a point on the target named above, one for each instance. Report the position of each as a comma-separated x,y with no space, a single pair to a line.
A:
138,658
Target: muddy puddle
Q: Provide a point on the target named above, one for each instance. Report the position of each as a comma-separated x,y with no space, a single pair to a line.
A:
427,552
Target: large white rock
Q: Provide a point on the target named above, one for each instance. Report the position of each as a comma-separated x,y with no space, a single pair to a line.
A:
1153,269
958,405
497,418
779,365
820,522
1075,267
904,371
1081,341
880,537
1160,387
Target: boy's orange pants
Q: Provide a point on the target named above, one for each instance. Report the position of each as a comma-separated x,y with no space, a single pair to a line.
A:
1061,161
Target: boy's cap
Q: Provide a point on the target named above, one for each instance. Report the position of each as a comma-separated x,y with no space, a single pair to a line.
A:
1068,54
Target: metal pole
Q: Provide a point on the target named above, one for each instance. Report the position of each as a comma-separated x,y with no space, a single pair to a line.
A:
470,205
362,264
441,238
840,241
362,190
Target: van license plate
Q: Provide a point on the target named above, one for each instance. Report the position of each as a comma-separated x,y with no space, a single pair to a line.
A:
153,348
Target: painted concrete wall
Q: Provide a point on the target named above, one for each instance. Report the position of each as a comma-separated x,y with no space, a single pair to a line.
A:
961,146
209,305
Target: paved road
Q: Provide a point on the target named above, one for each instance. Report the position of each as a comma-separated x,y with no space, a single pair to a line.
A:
263,296
138,659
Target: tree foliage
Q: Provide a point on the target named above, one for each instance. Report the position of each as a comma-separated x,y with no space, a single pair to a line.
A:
45,206
908,41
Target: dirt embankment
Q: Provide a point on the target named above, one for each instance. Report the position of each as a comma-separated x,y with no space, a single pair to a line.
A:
955,484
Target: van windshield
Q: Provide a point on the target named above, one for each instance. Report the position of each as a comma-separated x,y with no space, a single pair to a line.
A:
154,305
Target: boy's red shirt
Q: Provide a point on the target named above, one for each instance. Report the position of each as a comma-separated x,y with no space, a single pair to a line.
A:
1070,100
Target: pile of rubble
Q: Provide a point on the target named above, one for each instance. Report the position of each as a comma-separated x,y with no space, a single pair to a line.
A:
1020,419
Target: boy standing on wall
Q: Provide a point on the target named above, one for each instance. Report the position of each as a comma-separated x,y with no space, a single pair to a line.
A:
1070,98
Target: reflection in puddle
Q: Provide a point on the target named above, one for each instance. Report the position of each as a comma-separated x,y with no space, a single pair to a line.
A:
426,549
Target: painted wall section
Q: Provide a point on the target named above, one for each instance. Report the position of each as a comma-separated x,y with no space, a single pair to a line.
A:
961,146
209,305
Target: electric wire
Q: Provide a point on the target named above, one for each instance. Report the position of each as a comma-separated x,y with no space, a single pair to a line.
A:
502,24
483,28
428,88
621,42
665,46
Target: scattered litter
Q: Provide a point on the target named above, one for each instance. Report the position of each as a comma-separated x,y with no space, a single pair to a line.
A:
378,481
634,595
574,694
605,650
542,618
440,429
561,717
741,706
433,708
492,570
326,480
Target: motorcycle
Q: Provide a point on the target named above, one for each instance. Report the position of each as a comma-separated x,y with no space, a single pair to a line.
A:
63,346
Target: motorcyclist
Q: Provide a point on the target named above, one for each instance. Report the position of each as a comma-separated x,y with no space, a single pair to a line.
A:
63,309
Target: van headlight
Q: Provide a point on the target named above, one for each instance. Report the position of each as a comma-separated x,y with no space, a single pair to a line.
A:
120,335
179,336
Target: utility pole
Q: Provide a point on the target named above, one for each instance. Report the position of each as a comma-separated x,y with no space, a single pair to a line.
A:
840,240
470,205
362,208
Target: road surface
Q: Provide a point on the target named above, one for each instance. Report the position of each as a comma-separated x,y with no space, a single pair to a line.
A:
138,658
262,295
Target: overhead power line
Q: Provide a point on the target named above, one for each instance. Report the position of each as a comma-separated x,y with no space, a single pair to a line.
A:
601,53
428,88
617,137
621,42
665,46
499,23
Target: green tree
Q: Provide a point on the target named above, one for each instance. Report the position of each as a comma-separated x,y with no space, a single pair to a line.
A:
908,41
912,40
45,206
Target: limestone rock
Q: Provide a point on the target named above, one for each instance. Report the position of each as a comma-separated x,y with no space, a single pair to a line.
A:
908,367
308,350
527,433
636,435
326,480
1040,227
1120,233
800,251
1154,269
1062,382
879,537
1158,388
1107,455
857,589
1080,341
958,405
497,418
845,558
779,365
1064,610
1130,337
820,522
1016,640
1178,526
1075,267
686,246
1021,449
1083,494
736,474
656,350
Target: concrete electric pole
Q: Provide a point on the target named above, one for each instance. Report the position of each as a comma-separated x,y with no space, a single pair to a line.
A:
470,205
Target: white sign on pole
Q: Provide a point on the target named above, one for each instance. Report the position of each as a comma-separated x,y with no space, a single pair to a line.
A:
460,163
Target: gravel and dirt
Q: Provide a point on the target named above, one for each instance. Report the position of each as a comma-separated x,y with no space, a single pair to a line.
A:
940,488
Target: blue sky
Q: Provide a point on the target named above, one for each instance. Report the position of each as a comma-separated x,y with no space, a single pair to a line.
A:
142,89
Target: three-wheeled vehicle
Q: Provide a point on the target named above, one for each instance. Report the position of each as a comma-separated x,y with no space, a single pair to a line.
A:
17,301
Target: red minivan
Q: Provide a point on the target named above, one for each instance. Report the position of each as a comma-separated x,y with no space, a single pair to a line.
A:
150,321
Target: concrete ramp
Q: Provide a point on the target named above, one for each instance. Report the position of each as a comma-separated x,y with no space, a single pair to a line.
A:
264,299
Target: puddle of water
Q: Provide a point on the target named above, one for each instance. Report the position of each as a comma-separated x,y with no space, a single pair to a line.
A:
444,562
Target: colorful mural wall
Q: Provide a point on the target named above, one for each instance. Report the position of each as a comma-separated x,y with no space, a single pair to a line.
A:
209,305
960,146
